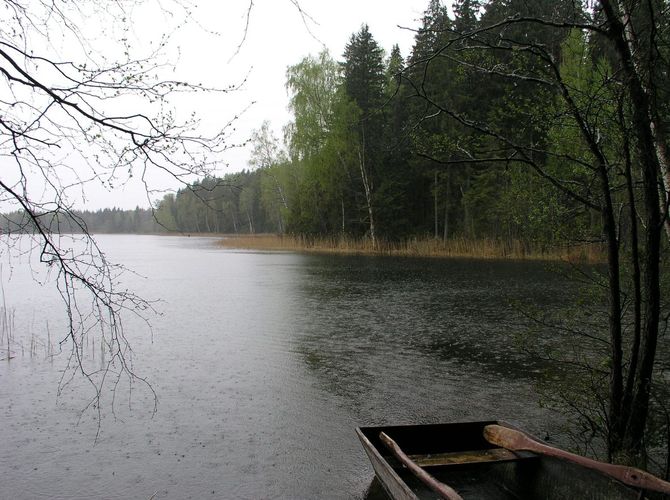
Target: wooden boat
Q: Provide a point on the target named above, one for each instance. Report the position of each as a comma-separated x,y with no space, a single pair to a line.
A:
493,460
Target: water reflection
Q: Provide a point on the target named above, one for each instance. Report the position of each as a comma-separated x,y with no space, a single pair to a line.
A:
377,322
265,364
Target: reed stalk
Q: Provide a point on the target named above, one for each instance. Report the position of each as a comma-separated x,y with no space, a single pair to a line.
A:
417,247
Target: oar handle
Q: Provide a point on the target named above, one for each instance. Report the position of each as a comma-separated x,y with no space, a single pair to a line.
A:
518,441
438,487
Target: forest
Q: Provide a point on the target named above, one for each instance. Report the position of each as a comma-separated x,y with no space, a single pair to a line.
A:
106,220
372,152
386,147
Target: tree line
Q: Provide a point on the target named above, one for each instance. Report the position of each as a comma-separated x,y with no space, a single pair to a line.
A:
107,220
369,154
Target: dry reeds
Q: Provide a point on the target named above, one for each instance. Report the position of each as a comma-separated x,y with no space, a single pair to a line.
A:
7,330
416,247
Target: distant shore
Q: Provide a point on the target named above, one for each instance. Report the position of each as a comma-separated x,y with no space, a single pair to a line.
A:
416,247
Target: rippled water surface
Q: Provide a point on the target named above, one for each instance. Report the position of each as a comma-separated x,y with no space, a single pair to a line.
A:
264,364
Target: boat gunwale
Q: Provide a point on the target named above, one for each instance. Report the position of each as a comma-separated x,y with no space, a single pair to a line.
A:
377,460
383,467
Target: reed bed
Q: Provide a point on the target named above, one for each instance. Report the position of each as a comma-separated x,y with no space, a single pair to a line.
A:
11,344
417,247
6,332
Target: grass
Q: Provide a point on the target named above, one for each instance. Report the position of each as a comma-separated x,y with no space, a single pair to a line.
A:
417,247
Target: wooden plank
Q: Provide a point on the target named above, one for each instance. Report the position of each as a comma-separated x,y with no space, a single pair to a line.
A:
464,457
519,441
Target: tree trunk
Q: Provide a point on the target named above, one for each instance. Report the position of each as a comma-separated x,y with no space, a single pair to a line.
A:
251,224
467,226
447,200
234,221
635,262
643,112
207,225
616,349
367,187
435,205
641,62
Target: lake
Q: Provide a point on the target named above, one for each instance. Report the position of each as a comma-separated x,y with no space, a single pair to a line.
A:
264,364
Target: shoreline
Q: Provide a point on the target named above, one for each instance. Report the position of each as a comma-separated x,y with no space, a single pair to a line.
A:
424,247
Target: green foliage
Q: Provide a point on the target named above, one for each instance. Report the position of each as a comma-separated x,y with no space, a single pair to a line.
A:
362,143
312,84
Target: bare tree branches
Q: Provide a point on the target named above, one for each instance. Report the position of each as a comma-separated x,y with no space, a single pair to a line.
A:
307,19
98,118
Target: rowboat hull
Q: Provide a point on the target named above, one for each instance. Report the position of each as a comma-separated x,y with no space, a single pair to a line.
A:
458,455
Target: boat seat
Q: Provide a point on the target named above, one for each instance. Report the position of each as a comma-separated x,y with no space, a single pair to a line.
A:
467,457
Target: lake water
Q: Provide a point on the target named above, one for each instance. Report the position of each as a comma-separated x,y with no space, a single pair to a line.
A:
264,364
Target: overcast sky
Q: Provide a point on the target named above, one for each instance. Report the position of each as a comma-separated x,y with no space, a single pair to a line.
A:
277,36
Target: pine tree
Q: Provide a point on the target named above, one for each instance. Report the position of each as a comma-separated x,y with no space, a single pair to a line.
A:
396,195
364,72
364,85
465,14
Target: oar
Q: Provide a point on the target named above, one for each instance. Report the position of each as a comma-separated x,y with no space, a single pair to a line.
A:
440,488
518,441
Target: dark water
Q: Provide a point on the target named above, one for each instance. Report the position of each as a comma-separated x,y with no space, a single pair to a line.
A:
264,364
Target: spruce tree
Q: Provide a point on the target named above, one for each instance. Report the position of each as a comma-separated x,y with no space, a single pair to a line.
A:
364,85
